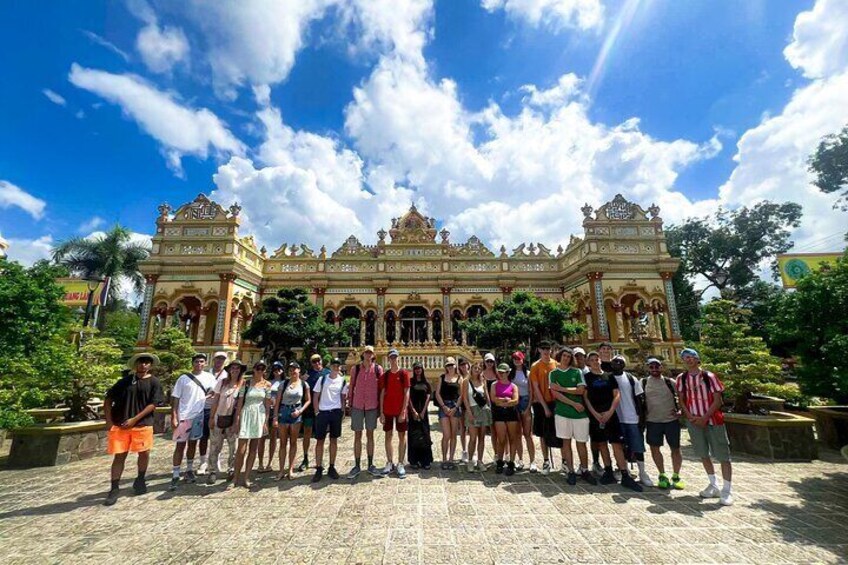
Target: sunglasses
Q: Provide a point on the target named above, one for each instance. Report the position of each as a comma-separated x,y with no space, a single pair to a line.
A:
316,362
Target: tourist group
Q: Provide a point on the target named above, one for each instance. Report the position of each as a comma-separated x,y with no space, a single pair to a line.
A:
564,397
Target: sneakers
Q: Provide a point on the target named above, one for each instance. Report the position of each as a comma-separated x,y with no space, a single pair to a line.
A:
175,481
627,481
319,472
210,480
139,486
608,477
677,483
353,473
373,470
470,466
726,498
589,478
303,466
112,497
401,472
564,468
519,466
499,468
203,468
464,458
664,483
571,478
510,469
710,492
332,473
387,470
189,477
533,468
597,469
645,479
480,467
546,467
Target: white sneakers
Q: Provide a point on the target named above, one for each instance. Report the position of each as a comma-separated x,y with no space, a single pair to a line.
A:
564,468
204,467
726,498
533,468
710,492
464,458
546,467
645,479
470,466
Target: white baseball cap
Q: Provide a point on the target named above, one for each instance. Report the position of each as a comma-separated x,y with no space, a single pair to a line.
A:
580,350
489,357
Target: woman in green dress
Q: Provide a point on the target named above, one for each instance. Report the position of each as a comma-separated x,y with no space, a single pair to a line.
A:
252,422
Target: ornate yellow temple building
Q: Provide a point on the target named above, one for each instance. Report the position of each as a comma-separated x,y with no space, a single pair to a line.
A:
410,287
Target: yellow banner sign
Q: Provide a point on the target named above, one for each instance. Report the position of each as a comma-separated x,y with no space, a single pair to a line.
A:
794,266
76,292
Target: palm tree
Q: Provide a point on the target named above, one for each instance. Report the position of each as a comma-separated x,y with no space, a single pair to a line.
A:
112,254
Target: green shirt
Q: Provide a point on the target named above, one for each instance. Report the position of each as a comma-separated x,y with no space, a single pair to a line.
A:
570,378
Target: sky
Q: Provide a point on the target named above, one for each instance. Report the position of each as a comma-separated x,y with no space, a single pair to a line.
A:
500,118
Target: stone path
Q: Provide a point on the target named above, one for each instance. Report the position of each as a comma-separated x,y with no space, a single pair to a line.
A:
784,513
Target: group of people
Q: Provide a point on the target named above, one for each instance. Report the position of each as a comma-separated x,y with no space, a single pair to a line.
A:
562,398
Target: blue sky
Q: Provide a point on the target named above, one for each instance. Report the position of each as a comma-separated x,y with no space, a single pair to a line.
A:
328,117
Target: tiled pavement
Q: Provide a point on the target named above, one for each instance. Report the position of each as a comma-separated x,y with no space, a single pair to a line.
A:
784,513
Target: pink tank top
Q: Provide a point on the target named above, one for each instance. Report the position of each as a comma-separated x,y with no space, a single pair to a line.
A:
503,390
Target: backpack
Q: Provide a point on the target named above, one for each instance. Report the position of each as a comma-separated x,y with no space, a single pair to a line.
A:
670,384
703,374
285,384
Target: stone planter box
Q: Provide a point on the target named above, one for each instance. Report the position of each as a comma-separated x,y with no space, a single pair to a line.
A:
779,436
162,420
831,425
2,439
47,445
770,403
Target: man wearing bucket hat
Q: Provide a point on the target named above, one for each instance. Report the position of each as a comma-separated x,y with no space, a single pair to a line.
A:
700,401
128,410
364,402
188,403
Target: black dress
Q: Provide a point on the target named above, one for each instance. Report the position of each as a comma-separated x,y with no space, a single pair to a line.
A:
419,444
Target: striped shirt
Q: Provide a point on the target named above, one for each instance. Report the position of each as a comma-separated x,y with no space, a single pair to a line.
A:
365,387
698,398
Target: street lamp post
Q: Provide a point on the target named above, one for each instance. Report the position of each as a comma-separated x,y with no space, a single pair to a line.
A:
91,284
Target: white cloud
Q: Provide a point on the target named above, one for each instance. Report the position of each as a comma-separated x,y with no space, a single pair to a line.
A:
12,195
162,48
820,40
54,97
28,251
557,14
94,38
398,26
180,129
566,87
91,224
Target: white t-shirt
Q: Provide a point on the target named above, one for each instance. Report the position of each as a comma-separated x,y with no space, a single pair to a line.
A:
626,409
192,398
332,398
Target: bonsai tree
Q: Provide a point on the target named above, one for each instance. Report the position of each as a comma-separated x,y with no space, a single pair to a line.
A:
814,319
289,320
522,321
123,326
89,374
741,360
175,351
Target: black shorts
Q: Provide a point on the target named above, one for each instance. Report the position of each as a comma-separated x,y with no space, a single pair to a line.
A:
328,421
668,430
206,414
544,426
502,414
611,432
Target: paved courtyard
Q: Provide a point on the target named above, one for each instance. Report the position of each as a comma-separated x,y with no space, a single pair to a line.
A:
784,513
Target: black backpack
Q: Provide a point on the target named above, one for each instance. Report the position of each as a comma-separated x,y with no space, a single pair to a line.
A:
670,384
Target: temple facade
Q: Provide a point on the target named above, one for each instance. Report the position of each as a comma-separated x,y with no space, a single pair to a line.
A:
410,287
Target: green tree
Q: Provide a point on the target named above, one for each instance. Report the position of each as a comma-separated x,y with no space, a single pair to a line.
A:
90,372
829,164
688,302
175,351
112,254
290,320
522,321
741,360
814,319
30,307
728,248
122,326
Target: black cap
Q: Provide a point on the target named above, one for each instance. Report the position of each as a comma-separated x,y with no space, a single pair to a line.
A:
197,356
277,365
605,344
544,344
260,363
417,365
294,365
336,361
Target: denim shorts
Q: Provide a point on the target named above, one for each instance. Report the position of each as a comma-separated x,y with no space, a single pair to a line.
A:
523,403
450,404
285,417
633,438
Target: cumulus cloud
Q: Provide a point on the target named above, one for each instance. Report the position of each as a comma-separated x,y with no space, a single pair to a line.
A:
28,251
91,224
180,129
160,47
54,97
13,195
819,44
557,14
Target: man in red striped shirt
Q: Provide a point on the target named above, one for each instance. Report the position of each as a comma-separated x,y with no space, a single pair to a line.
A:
701,399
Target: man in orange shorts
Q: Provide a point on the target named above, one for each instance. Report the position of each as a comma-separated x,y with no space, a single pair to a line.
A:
128,409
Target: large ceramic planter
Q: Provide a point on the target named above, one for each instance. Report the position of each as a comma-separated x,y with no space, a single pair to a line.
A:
831,425
46,445
780,436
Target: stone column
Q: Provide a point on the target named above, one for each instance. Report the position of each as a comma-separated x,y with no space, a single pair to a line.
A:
225,299
173,317
619,321
362,331
235,326
672,305
598,313
154,325
319,297
149,291
590,327
397,329
447,321
380,318
430,328
201,326
652,324
506,290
